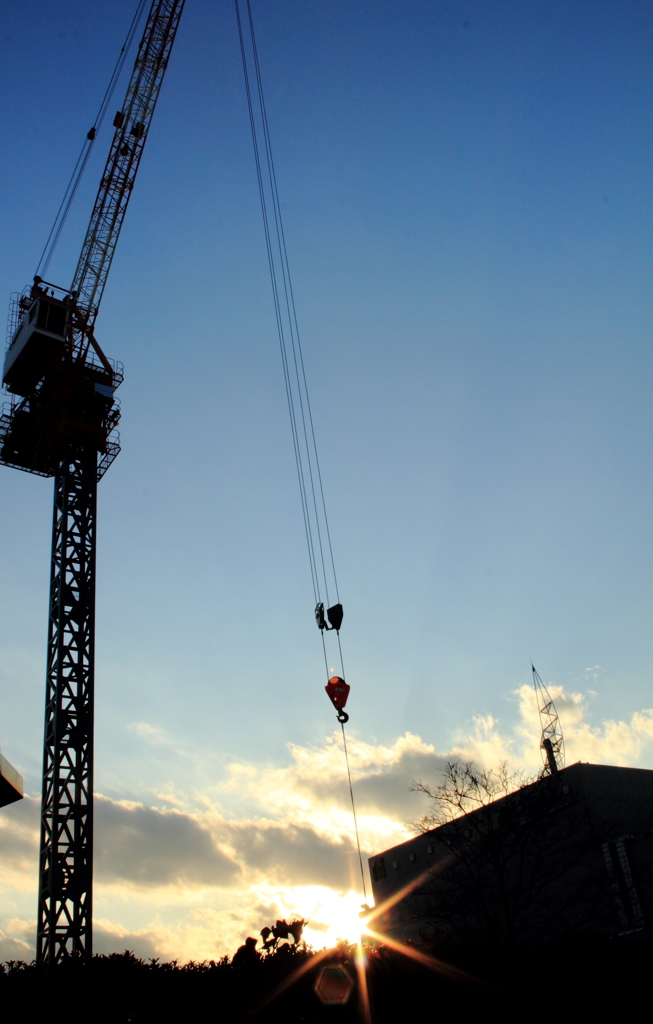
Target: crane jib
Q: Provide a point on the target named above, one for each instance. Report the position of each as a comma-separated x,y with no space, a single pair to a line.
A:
131,129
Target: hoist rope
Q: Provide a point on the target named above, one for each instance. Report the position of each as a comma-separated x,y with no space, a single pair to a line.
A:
87,146
278,317
290,302
316,524
299,407
353,807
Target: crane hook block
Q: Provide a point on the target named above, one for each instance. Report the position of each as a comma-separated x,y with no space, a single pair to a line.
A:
338,692
319,616
335,616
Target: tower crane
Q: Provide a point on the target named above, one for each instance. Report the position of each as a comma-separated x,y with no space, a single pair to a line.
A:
61,422
552,742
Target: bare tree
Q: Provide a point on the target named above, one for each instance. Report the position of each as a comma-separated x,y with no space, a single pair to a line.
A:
465,788
520,859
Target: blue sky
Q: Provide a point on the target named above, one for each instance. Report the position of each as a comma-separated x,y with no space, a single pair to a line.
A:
466,193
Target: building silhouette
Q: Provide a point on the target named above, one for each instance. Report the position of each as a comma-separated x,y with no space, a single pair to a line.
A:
11,783
571,853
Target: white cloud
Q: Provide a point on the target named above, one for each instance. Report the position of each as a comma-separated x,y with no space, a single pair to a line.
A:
13,948
611,742
146,731
313,789
177,877
111,938
150,847
19,836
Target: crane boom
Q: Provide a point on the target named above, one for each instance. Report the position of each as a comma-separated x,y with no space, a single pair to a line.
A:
131,125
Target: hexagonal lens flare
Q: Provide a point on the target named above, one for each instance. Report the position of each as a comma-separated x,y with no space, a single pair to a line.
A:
333,986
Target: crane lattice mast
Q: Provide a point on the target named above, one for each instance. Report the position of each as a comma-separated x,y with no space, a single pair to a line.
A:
552,742
61,422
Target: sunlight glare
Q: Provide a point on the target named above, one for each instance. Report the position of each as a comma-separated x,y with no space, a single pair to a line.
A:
333,916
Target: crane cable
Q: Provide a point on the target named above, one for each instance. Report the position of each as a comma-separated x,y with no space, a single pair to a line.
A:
299,407
314,513
87,146
353,809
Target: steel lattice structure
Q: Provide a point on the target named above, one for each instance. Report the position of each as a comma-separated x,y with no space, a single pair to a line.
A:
66,857
552,742
132,124
61,422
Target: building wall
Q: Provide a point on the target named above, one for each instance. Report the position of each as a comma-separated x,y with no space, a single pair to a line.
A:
619,804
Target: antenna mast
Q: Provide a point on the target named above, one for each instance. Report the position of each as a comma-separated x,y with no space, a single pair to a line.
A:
552,743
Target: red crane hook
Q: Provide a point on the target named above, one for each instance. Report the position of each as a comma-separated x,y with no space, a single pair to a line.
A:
338,692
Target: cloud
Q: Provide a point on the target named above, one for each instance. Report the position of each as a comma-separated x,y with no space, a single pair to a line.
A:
178,877
208,932
611,742
19,836
153,733
313,790
151,847
12,948
621,742
18,939
292,854
111,938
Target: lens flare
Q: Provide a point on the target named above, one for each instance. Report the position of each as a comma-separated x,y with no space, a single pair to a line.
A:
346,924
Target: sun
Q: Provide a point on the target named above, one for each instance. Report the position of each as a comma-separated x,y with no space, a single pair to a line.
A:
331,915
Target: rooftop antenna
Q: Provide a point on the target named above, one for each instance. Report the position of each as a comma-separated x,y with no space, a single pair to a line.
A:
552,743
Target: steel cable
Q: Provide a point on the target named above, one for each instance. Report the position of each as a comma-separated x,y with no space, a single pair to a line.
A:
82,159
353,807
309,475
292,312
279,321
297,396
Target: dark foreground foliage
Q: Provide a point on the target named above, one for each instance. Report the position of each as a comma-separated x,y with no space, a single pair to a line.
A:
519,984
